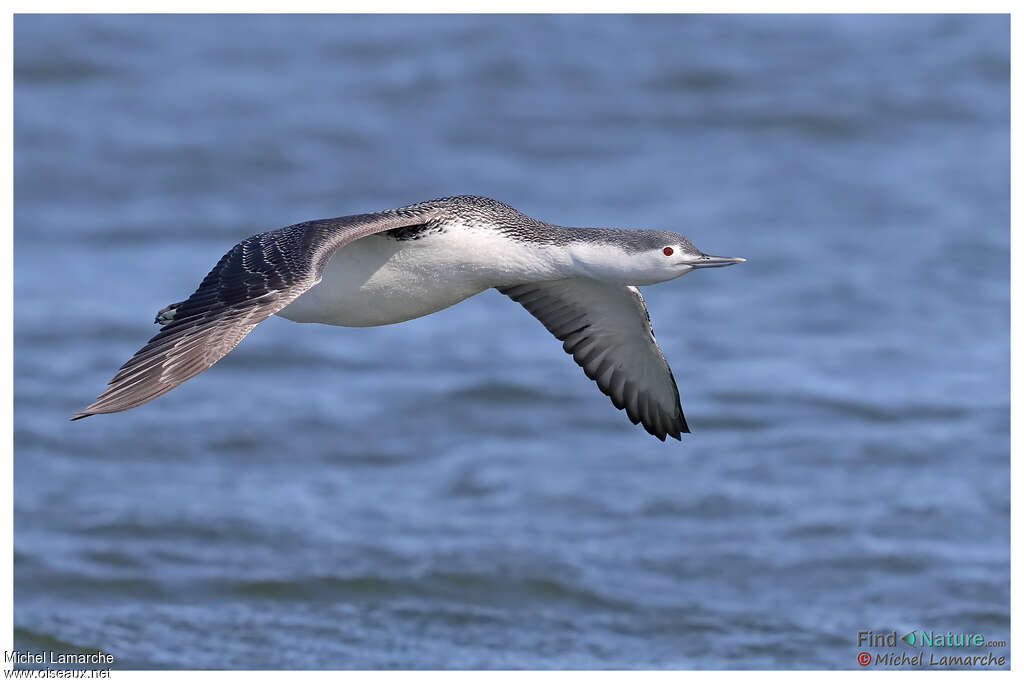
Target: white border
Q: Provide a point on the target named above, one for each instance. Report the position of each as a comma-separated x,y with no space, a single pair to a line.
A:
6,527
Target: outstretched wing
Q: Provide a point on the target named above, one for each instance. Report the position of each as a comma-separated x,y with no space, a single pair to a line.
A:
607,330
257,278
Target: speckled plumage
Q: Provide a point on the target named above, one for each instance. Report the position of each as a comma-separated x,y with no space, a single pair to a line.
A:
500,217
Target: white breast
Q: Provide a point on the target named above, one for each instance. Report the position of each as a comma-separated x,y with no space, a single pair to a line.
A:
378,280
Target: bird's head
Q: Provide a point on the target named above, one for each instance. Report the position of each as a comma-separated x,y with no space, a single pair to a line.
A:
655,256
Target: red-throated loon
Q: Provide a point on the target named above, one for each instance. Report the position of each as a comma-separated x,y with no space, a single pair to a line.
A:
399,264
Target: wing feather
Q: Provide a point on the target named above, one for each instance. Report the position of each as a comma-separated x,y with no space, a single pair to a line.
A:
256,278
608,332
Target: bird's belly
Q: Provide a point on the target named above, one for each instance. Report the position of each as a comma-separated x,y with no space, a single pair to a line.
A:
379,281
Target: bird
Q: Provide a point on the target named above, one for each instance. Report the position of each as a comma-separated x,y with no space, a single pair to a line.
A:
399,264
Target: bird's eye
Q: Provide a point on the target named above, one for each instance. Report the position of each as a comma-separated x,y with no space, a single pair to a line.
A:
668,251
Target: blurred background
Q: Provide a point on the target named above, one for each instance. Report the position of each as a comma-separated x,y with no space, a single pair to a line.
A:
453,492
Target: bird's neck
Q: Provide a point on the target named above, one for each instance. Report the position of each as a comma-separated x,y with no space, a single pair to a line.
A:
602,261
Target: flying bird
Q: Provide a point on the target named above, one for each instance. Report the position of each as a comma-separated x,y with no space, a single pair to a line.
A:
399,264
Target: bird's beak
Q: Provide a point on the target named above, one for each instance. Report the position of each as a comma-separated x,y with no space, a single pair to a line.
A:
708,261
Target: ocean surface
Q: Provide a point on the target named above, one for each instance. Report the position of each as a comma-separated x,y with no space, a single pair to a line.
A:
453,492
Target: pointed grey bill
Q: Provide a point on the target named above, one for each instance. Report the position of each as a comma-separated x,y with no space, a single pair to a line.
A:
607,330
257,278
708,261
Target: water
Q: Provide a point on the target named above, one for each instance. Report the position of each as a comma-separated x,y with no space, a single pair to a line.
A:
452,492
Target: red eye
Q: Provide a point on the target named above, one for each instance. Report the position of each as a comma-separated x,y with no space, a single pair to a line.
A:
667,251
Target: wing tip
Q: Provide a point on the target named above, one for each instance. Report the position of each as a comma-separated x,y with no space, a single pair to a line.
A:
90,410
663,433
675,430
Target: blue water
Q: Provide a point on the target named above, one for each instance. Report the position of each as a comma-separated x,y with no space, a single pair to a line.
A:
452,492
